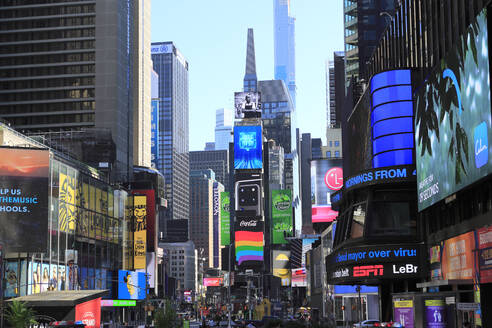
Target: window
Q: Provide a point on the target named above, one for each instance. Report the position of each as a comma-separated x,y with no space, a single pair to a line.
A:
328,154
392,218
337,153
331,143
358,220
337,143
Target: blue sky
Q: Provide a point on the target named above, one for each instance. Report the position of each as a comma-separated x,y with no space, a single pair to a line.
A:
212,37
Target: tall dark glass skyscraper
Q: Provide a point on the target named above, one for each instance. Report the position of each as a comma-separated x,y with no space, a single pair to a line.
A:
173,141
284,45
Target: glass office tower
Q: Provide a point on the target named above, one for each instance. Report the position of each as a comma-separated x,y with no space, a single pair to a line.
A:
173,141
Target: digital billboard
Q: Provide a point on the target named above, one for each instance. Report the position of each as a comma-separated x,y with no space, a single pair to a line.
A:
225,219
484,236
247,104
281,215
281,266
215,225
24,199
299,277
453,119
326,179
248,194
139,231
89,313
131,285
248,147
150,219
248,240
392,118
213,282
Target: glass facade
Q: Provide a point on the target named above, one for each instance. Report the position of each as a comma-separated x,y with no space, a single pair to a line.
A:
89,237
173,141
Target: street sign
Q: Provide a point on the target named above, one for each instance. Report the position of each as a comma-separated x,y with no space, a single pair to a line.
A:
467,306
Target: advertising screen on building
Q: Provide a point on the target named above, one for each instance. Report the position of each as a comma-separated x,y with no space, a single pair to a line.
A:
24,199
281,266
299,277
131,285
215,217
248,239
139,231
89,313
150,220
248,147
458,261
453,120
247,104
484,236
225,219
281,215
326,179
248,194
213,282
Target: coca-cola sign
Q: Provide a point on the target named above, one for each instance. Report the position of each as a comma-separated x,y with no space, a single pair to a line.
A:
248,223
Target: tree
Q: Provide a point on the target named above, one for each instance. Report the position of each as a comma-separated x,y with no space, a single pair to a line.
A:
166,317
18,315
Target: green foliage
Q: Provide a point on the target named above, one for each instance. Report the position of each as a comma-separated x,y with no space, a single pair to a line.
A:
166,317
18,315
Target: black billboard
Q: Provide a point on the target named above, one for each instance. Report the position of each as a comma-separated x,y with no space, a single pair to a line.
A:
24,199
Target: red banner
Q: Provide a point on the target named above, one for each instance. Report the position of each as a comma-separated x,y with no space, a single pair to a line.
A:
151,217
89,313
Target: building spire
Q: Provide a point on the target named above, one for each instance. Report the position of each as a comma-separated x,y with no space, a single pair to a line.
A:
250,79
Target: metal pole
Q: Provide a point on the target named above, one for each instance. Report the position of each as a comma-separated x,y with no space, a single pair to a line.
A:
360,304
229,290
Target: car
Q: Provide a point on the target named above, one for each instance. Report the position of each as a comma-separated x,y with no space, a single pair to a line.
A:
367,323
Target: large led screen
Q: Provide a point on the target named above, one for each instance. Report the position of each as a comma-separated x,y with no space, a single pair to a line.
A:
326,179
131,285
248,238
247,104
281,215
453,120
24,199
213,282
248,147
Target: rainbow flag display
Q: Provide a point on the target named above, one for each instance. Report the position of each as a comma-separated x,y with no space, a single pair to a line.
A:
249,243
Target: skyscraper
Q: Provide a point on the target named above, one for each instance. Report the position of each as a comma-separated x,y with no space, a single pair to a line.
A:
173,161
224,122
142,69
284,45
365,20
67,67
216,160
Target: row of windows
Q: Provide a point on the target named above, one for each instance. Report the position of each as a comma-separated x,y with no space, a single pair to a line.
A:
47,83
42,47
55,119
47,95
44,23
48,59
328,154
53,70
48,107
47,35
47,11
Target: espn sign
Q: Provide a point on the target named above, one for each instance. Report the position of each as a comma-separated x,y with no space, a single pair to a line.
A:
368,270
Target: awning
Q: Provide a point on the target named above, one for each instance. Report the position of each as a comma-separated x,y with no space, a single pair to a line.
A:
63,298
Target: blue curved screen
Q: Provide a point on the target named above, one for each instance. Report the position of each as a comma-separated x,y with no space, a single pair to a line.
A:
384,79
397,157
394,141
395,93
393,125
403,108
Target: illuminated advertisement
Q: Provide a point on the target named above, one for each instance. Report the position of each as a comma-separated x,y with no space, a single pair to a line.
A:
247,104
139,231
248,240
215,217
213,282
247,194
484,236
458,257
118,303
225,219
131,285
281,215
435,313
89,313
248,147
24,199
403,173
66,206
154,134
392,118
403,313
453,120
281,266
381,261
299,277
326,179
150,220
